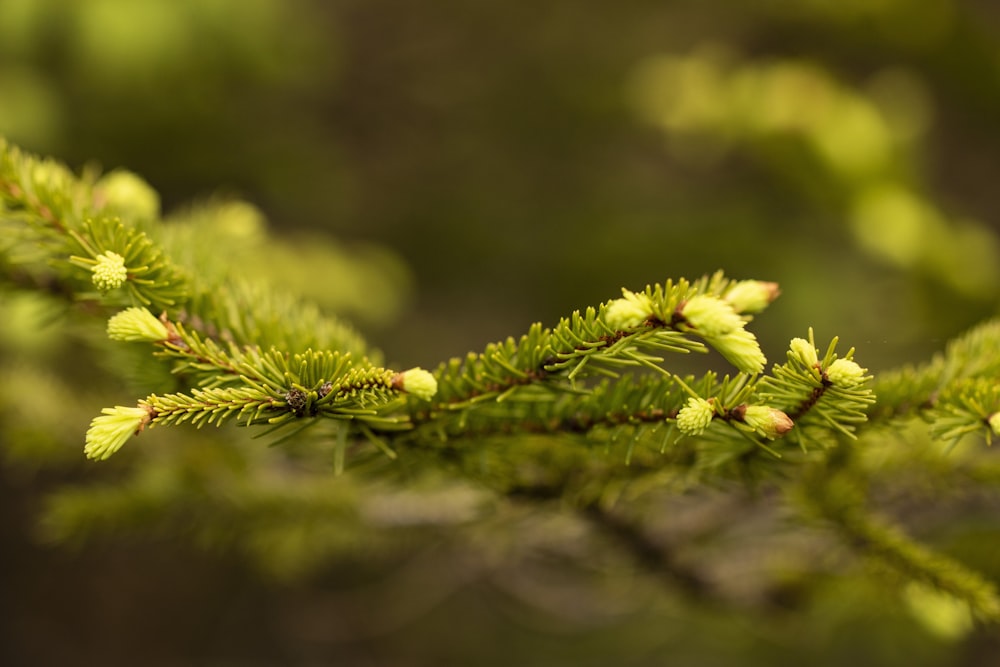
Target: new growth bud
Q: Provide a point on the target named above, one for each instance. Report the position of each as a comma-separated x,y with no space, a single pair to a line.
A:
741,349
711,316
135,325
418,382
722,327
994,421
769,422
804,351
109,271
628,312
113,428
845,373
752,296
695,417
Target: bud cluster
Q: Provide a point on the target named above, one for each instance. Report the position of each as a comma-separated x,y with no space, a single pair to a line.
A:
843,373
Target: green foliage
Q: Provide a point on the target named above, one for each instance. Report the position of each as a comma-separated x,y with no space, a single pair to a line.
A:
524,163
587,417
829,405
955,392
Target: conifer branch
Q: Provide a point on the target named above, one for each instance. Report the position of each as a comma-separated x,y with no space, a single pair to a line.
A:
956,391
253,357
243,353
71,220
626,334
824,396
839,499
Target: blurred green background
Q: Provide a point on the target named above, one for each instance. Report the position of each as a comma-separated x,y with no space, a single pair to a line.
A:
499,164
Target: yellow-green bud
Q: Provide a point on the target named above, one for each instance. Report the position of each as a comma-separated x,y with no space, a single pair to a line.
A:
769,422
752,296
994,421
113,428
418,382
741,349
137,324
49,174
109,271
695,417
129,195
711,316
630,311
845,373
804,351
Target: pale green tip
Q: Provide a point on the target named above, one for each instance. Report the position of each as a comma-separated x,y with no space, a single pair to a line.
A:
752,296
845,373
804,351
418,382
695,417
711,316
741,349
628,312
112,429
109,271
994,422
769,422
137,325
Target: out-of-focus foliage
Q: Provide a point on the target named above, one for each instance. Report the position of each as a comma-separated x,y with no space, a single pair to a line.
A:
523,160
853,149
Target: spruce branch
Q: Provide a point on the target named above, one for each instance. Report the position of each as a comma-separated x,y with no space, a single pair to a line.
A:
249,313
255,386
593,400
56,219
625,334
956,392
254,356
540,381
40,194
66,232
966,406
824,396
150,279
838,497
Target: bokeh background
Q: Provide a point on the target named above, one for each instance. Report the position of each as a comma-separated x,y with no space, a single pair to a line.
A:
478,166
